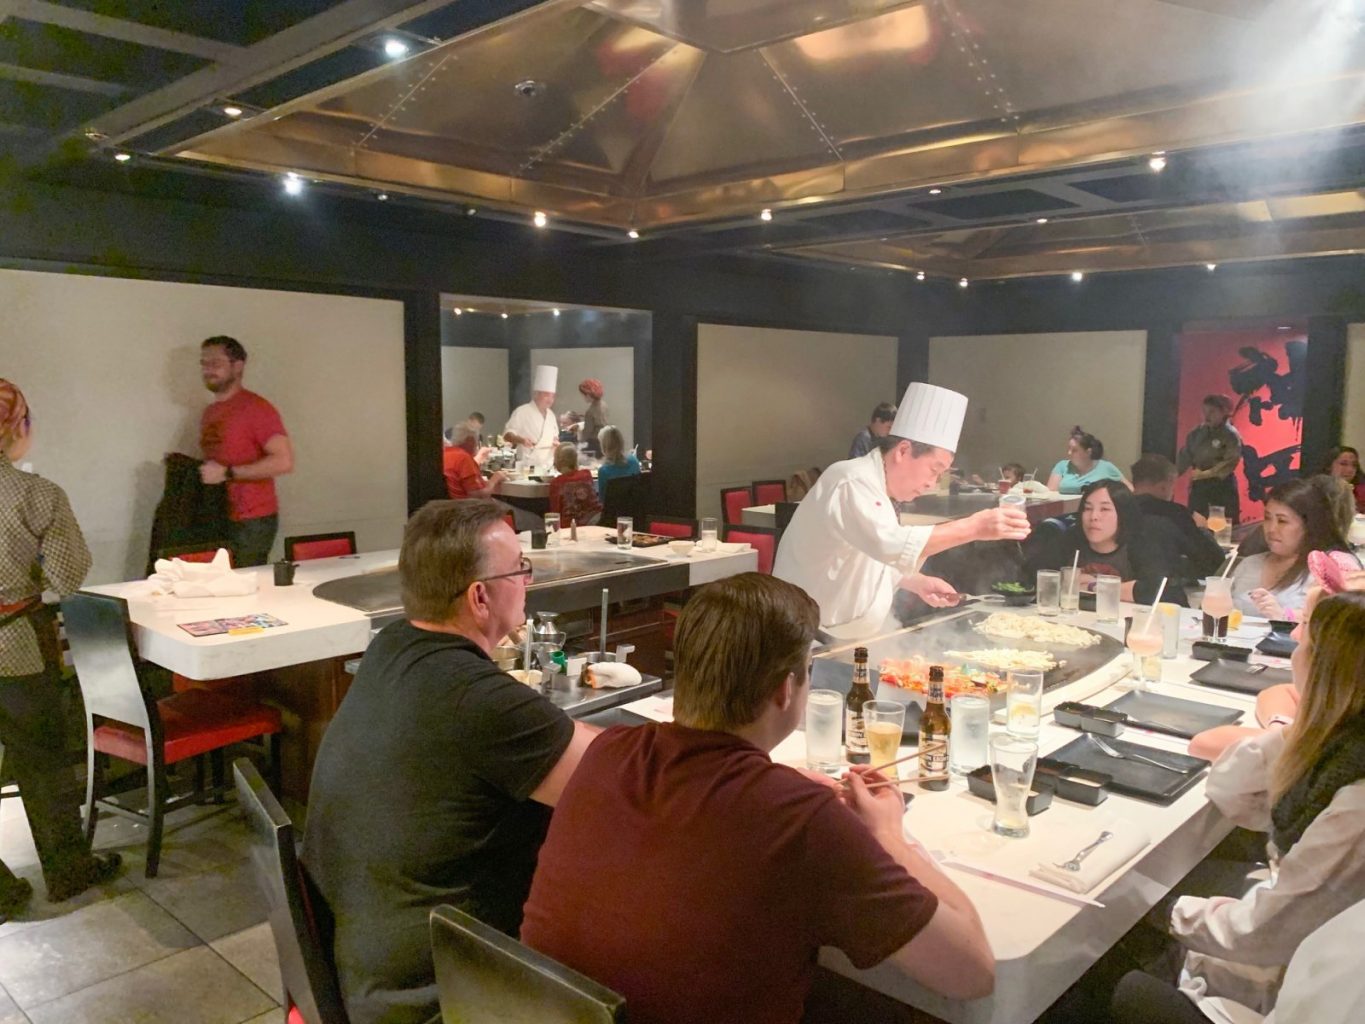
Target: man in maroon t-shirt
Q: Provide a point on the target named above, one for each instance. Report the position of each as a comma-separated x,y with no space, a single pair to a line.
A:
698,879
245,447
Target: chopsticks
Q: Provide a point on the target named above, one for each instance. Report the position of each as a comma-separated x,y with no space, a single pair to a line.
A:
902,782
928,749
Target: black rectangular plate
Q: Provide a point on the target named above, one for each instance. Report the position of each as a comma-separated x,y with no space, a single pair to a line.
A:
1172,715
1133,778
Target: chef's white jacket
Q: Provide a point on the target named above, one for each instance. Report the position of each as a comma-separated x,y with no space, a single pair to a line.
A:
847,549
528,421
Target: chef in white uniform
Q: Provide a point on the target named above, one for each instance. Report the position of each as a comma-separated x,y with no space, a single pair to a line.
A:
845,545
533,427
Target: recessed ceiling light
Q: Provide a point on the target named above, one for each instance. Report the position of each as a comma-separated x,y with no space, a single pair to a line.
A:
919,276
540,220
963,283
765,215
1041,220
469,211
1077,276
293,184
1157,163
556,312
936,191
395,48
458,311
1210,267
632,233
232,111
383,197
504,316
123,158
1285,327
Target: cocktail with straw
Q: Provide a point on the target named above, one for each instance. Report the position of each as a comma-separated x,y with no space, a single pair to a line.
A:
1217,602
1144,639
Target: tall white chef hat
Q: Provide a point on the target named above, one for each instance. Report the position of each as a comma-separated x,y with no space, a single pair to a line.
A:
546,378
930,415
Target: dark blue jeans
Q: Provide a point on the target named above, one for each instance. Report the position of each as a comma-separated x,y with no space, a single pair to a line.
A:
251,540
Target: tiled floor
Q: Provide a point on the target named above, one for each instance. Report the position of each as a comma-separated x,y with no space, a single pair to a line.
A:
189,946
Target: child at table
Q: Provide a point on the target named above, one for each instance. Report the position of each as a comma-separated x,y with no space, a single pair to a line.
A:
1305,784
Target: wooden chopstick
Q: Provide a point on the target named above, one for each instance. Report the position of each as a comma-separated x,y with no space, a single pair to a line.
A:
902,782
928,749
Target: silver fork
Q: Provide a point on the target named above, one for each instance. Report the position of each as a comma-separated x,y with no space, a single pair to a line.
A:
1106,748
1074,864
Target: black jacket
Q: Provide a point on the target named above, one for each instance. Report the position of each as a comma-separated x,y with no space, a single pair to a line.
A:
1199,553
190,511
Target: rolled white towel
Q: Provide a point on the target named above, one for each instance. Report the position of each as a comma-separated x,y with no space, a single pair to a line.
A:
611,675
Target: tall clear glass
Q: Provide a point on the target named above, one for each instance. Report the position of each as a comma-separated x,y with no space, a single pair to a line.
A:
1216,606
708,534
824,730
1012,763
625,531
1145,641
551,529
1017,500
968,749
1070,600
1024,705
1049,595
1108,597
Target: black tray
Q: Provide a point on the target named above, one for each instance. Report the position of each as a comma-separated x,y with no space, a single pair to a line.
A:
1240,678
1160,713
1133,778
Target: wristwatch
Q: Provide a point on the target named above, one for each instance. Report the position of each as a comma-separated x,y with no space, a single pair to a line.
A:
228,474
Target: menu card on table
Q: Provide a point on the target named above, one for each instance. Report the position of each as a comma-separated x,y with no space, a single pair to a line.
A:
240,625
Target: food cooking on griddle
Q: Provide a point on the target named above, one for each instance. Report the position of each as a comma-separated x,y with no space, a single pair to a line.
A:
913,674
1040,631
1008,659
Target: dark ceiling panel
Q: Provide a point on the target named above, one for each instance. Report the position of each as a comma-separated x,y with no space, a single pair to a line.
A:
1143,187
990,205
42,107
52,48
334,67
237,23
859,222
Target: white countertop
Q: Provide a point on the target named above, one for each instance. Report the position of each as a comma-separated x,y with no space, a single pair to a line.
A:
1043,945
315,629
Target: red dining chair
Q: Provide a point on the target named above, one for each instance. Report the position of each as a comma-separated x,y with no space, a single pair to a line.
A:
761,538
733,502
669,526
201,553
769,492
319,545
124,720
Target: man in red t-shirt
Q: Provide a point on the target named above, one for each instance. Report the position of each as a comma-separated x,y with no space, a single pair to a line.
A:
245,447
464,478
698,879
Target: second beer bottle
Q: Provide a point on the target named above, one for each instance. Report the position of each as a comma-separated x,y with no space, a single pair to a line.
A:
855,727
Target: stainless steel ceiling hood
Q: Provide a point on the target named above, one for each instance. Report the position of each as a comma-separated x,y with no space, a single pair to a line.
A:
656,114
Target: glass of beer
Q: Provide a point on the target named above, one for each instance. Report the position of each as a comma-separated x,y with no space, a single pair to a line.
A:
1216,606
824,730
884,721
1012,763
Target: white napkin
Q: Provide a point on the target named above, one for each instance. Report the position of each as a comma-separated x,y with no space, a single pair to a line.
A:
201,579
611,675
1127,842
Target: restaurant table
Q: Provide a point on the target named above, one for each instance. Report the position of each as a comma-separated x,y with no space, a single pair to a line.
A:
1042,944
300,666
932,509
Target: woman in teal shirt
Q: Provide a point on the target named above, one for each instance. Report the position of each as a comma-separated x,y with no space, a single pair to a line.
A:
1084,464
616,461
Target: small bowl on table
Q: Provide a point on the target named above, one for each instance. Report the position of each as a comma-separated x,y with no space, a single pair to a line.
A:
1016,595
682,548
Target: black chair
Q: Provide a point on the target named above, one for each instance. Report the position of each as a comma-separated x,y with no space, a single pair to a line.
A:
483,975
299,920
625,496
784,512
124,720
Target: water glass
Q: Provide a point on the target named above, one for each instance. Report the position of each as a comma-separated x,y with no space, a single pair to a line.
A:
967,747
1049,592
708,534
883,723
1170,628
824,730
1108,595
1016,500
1012,764
1024,705
1070,600
625,531
551,529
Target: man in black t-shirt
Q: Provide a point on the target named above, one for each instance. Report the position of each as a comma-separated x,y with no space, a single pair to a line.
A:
434,781
1154,484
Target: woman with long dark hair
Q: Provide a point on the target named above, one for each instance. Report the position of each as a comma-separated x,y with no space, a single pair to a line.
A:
1344,464
41,548
1304,784
1298,520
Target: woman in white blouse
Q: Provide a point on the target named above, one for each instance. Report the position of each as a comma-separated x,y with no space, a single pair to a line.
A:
1305,784
1274,584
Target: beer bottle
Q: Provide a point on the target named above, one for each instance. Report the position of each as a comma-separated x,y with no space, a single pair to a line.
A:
855,729
934,729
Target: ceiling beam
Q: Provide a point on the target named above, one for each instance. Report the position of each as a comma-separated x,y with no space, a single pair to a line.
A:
271,57
57,80
118,28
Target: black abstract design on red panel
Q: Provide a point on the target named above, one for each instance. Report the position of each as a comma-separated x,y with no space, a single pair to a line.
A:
1259,372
